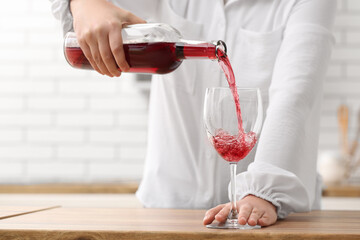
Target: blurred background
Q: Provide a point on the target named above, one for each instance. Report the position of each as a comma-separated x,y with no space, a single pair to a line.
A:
60,125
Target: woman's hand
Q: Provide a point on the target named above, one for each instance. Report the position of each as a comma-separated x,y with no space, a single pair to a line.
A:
252,210
98,24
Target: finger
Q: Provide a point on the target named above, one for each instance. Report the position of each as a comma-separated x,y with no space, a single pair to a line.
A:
211,213
267,219
95,53
86,50
244,213
107,56
117,49
255,215
224,212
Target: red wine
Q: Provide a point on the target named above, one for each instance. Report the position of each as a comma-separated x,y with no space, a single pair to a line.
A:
232,148
152,57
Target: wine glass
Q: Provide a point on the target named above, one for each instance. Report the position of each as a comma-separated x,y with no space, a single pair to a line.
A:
233,137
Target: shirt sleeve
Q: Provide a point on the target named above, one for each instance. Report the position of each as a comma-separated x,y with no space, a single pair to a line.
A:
61,11
284,169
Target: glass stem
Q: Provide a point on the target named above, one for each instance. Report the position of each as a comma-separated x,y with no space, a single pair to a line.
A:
233,214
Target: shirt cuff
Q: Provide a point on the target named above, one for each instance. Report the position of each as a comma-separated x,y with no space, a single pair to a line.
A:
278,186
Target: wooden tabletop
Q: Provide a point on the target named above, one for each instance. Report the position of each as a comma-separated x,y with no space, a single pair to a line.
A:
118,223
121,187
342,190
13,211
339,190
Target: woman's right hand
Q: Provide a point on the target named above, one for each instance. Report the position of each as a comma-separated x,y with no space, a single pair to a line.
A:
98,24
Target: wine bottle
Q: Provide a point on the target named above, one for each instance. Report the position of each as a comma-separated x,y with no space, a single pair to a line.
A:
154,48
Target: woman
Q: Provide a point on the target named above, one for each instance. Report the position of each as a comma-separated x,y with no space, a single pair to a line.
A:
279,46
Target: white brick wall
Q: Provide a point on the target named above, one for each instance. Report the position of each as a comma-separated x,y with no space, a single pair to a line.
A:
343,78
58,124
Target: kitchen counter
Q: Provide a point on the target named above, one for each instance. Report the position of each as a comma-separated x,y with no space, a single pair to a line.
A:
342,190
139,223
130,201
121,216
339,190
71,188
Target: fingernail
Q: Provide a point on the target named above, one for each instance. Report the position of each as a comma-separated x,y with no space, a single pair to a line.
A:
242,221
206,217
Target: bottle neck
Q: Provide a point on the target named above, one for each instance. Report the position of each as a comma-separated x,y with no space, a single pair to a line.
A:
195,50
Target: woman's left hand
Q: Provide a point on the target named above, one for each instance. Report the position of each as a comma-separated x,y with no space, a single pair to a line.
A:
252,210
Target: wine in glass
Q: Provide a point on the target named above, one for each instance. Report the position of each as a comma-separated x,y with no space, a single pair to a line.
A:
233,123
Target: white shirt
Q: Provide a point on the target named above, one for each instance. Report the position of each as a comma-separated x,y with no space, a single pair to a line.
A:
279,46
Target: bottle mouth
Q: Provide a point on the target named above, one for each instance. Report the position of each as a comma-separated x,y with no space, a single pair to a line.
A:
220,45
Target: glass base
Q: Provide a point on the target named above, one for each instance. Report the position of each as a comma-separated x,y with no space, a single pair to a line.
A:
231,224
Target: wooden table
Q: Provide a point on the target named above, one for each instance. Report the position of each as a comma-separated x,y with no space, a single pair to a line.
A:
13,211
123,187
119,223
342,190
